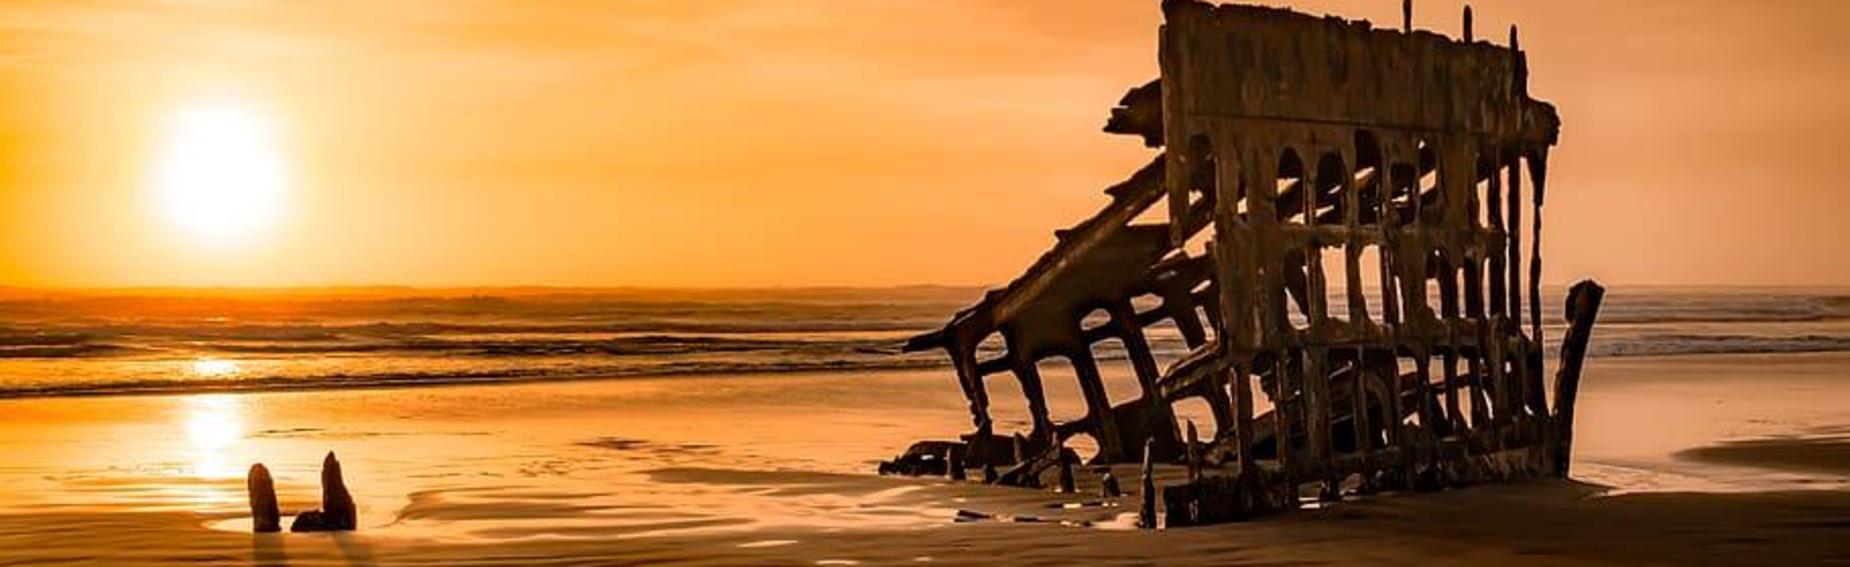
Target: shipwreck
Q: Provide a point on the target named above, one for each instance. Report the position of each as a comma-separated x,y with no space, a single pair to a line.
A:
1347,232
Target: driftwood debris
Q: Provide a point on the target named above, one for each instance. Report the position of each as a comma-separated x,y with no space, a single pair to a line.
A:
1342,239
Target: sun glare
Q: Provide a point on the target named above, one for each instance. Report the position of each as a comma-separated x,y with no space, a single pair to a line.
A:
220,176
214,423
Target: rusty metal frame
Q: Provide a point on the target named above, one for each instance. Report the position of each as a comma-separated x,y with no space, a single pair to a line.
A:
1290,140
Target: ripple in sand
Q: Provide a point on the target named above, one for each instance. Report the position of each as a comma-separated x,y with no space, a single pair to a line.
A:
644,445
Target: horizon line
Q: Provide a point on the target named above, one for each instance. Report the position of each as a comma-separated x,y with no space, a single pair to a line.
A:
14,291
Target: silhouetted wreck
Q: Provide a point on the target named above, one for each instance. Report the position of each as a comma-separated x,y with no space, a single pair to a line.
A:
1304,156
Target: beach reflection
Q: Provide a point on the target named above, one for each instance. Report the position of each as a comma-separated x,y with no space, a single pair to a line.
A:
214,428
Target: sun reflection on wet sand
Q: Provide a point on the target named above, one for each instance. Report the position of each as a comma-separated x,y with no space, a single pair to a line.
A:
214,427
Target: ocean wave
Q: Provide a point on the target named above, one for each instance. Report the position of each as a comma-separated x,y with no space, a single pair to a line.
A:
1720,307
1687,344
856,356
54,348
57,351
414,379
417,379
642,345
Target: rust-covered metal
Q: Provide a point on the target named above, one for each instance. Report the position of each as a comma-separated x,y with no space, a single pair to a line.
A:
1344,244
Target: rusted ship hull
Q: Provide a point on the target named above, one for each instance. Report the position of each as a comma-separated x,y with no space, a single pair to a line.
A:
1308,162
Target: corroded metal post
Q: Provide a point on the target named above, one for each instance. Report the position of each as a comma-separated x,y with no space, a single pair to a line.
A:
1583,303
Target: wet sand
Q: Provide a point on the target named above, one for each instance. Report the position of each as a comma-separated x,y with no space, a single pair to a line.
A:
1701,459
1827,455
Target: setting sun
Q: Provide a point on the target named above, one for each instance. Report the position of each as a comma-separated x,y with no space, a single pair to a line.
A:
220,174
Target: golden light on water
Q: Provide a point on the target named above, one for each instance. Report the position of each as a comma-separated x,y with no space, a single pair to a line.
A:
215,367
220,175
214,428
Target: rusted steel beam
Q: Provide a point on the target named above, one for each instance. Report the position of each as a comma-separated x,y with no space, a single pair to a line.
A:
1583,302
1538,174
1448,310
1158,417
1140,113
1111,445
1361,429
1026,371
1131,198
1243,422
963,360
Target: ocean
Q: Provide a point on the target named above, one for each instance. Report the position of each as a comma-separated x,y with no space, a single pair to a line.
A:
164,341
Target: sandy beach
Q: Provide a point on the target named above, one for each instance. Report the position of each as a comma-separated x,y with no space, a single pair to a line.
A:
1724,459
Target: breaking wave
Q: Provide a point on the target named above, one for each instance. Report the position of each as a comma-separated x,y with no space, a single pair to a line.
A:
67,345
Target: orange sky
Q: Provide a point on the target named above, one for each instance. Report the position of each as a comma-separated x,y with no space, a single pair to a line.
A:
810,142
